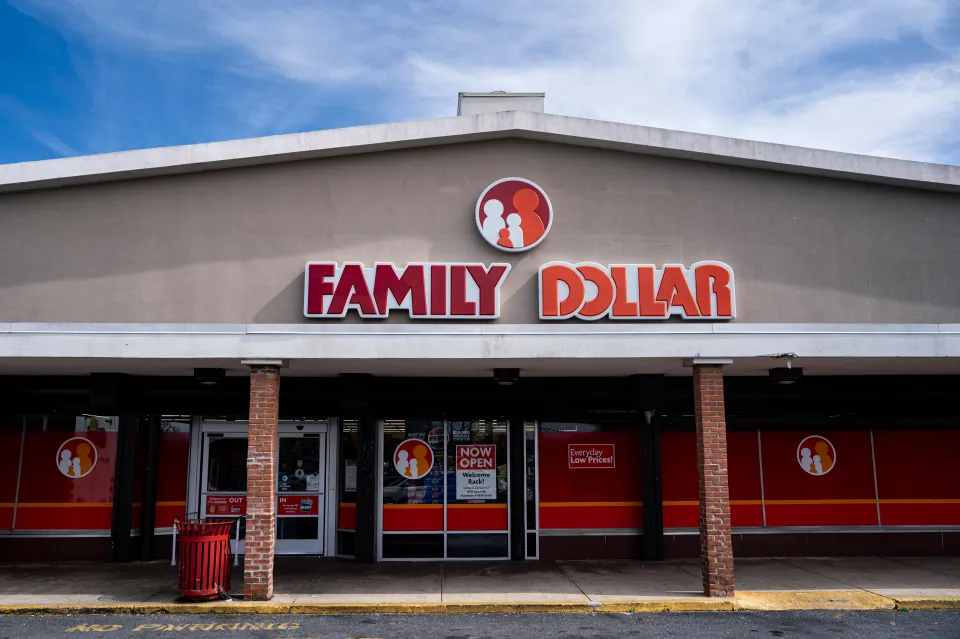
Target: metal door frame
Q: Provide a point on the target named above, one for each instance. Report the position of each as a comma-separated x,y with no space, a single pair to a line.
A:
326,537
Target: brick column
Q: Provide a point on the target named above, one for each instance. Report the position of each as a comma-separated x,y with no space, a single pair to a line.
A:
716,550
261,481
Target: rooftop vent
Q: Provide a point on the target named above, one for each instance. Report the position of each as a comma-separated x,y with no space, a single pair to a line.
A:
473,103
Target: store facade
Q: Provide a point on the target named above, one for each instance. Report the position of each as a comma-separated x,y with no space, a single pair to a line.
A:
504,335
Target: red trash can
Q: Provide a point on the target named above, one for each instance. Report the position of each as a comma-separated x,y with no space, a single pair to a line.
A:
203,548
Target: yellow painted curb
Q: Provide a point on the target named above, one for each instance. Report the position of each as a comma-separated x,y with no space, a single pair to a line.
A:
267,608
796,600
927,603
814,600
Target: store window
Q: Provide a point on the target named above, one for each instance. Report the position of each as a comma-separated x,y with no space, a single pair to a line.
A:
476,463
445,489
413,489
590,476
227,464
347,488
530,477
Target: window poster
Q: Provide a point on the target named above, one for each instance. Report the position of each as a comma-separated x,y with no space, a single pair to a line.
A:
350,476
476,472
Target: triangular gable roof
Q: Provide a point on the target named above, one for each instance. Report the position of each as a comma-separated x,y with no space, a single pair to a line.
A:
487,126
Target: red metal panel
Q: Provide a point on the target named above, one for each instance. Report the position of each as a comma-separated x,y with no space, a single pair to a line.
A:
572,515
413,517
476,517
681,493
584,487
843,496
49,500
918,476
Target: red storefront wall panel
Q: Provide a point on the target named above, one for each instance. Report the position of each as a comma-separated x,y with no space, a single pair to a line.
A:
347,517
476,517
678,459
918,477
413,517
843,496
10,443
590,498
50,500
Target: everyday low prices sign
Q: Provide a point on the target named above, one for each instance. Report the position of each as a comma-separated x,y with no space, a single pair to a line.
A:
591,456
226,505
476,471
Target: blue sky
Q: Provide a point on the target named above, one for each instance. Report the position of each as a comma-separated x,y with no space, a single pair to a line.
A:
879,77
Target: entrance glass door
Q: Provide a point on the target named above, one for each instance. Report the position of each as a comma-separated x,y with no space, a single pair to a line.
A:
300,493
444,490
300,487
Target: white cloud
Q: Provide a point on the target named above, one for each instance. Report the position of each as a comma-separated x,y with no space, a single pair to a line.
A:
793,71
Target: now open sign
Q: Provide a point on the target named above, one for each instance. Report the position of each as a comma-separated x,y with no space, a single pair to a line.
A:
591,456
477,457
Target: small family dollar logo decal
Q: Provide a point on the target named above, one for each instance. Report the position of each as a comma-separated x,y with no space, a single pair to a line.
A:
76,457
816,455
514,214
413,458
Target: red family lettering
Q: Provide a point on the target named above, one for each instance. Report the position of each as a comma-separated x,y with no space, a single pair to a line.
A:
590,291
427,290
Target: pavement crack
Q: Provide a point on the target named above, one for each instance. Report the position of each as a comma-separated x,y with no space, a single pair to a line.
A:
563,571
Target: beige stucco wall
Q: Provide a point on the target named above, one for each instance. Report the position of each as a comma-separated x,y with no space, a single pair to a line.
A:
230,246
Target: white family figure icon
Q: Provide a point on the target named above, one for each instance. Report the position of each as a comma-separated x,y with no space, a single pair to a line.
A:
70,465
493,223
403,462
513,226
806,462
65,465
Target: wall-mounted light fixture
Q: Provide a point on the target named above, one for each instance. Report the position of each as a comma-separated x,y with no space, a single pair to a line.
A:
786,375
506,376
209,376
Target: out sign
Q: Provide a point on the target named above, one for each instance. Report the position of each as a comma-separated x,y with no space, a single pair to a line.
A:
477,457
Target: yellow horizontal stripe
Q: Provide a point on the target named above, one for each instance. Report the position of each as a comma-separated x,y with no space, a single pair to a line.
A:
345,504
67,504
413,506
476,506
592,504
82,504
681,503
819,502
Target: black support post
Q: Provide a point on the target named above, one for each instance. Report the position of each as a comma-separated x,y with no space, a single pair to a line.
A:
649,394
121,538
652,490
148,514
518,491
367,478
356,398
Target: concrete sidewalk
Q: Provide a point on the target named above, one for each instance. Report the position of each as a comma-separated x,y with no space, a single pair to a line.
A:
318,585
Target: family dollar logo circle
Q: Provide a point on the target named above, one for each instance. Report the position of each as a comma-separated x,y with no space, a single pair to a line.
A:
514,214
816,455
413,458
76,457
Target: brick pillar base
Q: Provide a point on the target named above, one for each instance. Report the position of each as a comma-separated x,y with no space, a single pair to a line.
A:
716,550
261,483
